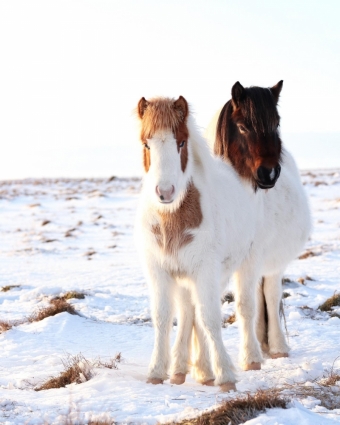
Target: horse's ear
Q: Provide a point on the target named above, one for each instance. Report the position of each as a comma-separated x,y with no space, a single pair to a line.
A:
181,105
237,93
276,90
142,105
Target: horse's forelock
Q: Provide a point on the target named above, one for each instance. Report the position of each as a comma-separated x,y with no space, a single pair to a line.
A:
259,109
160,115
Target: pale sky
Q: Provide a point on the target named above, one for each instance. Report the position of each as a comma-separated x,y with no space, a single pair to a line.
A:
72,71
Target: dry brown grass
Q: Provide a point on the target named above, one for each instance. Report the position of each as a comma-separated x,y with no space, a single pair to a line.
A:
110,364
333,301
5,326
239,410
9,287
72,294
57,306
229,321
91,422
77,370
307,254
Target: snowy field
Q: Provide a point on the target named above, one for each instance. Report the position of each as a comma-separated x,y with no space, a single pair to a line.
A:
77,235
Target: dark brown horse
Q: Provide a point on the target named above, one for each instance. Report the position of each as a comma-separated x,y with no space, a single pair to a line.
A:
247,134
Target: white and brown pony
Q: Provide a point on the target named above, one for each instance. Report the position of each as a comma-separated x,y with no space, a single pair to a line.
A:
196,226
245,134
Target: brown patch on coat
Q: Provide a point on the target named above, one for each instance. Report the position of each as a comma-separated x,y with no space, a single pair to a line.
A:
161,114
172,230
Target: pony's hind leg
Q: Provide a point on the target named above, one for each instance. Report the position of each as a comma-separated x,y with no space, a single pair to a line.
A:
272,289
246,282
162,288
180,350
200,357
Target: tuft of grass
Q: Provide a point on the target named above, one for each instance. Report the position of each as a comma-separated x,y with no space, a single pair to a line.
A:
240,409
307,254
229,321
111,364
9,287
5,326
72,294
333,301
57,306
77,370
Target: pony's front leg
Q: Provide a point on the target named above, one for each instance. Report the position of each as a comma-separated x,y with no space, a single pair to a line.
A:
246,282
272,289
162,288
206,294
185,322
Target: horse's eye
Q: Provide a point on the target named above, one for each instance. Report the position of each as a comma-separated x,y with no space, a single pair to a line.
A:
182,144
242,129
146,146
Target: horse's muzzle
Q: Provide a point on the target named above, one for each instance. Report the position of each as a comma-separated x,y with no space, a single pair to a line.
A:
165,194
267,177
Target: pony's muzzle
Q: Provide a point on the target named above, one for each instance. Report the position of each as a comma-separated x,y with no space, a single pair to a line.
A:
267,177
165,194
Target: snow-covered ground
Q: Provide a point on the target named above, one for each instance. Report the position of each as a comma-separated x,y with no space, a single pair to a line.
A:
63,235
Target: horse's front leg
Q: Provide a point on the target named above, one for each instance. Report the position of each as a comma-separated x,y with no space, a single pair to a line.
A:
206,294
185,322
246,282
162,291
272,289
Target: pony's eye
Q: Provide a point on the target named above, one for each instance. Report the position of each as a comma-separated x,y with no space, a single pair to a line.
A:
242,129
182,144
146,146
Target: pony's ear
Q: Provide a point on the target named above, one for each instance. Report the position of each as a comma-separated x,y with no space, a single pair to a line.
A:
142,105
181,105
237,93
276,90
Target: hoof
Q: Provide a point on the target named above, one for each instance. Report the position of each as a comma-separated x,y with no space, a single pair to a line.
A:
278,355
228,386
154,381
252,366
209,383
178,378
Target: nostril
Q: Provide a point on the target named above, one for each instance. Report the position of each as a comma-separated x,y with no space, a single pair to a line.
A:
260,173
165,194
